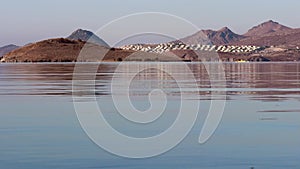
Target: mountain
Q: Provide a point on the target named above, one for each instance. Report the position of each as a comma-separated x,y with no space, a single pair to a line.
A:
271,33
64,50
289,39
266,28
278,42
89,36
211,37
266,34
46,51
6,49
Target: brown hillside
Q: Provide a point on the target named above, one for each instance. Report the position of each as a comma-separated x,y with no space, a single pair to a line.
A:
289,38
210,37
62,50
266,28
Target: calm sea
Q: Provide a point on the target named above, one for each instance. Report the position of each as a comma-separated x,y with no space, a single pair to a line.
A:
39,128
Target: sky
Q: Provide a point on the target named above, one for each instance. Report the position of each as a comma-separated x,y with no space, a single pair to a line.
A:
28,21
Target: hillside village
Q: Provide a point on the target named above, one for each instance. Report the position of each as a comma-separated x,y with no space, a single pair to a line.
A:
166,47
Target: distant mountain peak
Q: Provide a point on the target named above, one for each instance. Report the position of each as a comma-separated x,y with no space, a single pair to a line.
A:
270,21
266,28
81,31
220,37
10,45
224,29
8,48
86,35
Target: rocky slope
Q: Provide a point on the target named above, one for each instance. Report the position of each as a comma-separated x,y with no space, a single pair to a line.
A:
211,37
289,39
87,36
266,28
6,49
63,50
269,33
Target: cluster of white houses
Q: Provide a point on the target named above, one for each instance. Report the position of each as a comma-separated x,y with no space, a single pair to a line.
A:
165,47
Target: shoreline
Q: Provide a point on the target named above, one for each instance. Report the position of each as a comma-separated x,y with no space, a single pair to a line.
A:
148,62
64,50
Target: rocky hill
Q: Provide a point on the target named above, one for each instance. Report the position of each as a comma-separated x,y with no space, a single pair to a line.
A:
288,39
52,50
266,28
87,36
211,37
6,49
269,33
63,50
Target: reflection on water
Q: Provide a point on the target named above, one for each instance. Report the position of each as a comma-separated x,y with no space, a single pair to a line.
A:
260,128
258,81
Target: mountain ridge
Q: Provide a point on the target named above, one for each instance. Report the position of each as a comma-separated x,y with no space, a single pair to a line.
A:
8,48
268,33
87,36
212,37
276,43
266,28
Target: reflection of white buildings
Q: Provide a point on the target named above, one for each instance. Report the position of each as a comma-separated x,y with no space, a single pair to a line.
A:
241,75
248,79
262,78
173,78
142,78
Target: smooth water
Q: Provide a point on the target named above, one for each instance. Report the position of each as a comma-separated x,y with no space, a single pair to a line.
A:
39,128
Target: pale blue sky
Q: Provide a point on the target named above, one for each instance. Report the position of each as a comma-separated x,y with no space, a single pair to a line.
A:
31,20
